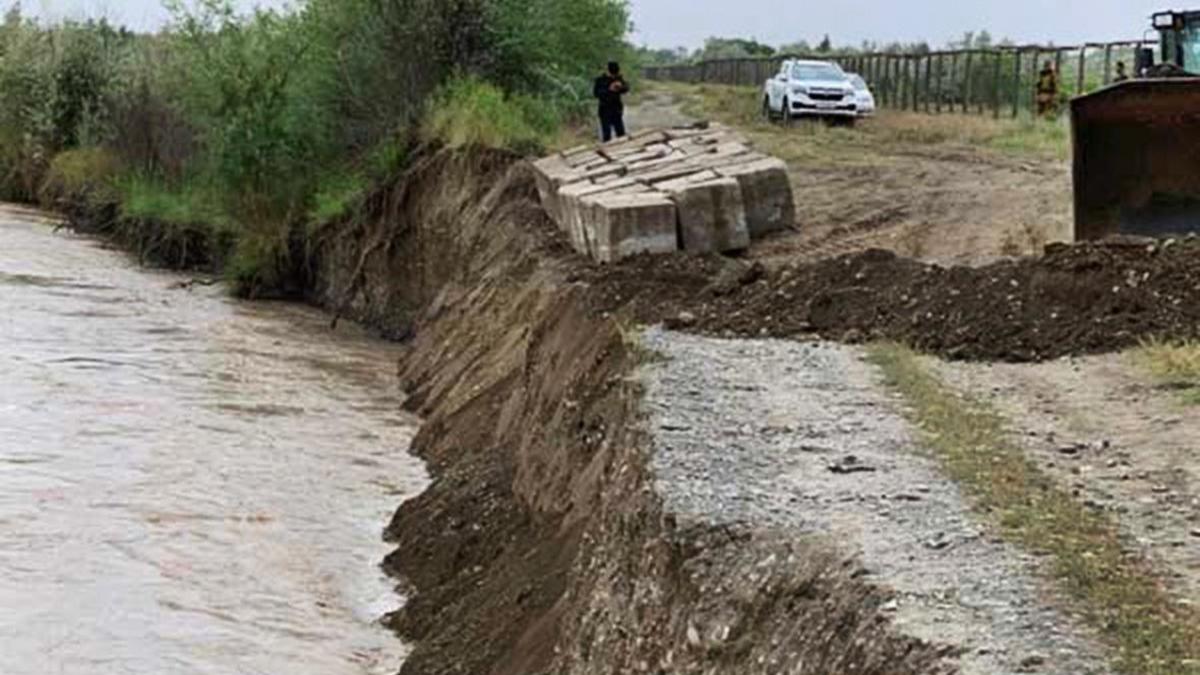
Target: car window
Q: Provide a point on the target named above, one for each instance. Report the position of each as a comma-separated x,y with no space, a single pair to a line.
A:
821,72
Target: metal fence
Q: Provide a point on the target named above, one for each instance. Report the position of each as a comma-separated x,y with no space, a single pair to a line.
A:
999,81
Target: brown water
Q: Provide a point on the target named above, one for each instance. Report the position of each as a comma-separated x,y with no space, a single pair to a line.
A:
188,484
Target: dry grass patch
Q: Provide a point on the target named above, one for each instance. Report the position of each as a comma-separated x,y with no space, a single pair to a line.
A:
1116,591
1175,365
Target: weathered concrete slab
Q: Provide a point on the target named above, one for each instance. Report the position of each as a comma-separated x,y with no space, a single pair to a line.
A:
766,193
614,200
623,225
712,217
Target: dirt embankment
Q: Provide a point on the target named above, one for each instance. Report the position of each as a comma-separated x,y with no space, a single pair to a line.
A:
542,545
1082,299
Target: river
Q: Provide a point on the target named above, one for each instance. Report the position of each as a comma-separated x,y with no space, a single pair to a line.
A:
188,483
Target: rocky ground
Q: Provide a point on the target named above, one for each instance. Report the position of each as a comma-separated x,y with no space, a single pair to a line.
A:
799,438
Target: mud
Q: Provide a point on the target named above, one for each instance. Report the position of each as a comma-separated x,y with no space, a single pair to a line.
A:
187,483
1081,299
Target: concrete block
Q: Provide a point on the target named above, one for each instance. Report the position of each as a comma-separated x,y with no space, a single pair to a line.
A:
546,173
638,139
698,187
606,170
766,194
712,217
623,225
584,159
689,179
651,166
717,160
666,172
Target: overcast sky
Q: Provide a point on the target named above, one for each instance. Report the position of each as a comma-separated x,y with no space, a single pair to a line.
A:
669,23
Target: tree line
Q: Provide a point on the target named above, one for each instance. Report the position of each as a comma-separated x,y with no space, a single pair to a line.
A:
716,48
253,122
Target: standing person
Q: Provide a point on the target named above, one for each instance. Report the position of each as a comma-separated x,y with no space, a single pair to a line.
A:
1047,91
609,89
1122,76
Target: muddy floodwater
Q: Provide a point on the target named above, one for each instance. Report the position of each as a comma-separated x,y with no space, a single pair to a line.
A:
188,483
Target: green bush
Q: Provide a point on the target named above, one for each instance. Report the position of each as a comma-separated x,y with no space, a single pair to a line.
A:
193,202
471,112
88,174
275,118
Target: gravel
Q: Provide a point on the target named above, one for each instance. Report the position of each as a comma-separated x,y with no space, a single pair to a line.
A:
794,437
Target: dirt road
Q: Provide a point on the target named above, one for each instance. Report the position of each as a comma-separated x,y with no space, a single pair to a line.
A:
1121,444
952,189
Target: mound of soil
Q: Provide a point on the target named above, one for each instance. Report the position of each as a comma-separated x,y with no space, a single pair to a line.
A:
1086,298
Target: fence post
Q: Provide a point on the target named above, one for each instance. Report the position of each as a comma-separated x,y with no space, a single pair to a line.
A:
914,84
1082,81
937,83
1108,63
928,83
967,81
1016,100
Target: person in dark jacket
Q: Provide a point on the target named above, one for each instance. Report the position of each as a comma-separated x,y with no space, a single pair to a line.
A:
609,89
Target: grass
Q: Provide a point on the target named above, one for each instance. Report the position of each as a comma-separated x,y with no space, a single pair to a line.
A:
87,173
1175,365
335,195
742,107
470,112
1113,589
190,203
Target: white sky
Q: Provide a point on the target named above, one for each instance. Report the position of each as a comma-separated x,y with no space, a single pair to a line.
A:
669,23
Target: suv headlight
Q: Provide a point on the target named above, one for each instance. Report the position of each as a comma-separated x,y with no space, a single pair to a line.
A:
800,91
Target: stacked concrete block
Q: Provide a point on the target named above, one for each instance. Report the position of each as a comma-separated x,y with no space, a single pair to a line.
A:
699,189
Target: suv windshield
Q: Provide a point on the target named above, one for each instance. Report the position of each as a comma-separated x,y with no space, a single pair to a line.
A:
817,71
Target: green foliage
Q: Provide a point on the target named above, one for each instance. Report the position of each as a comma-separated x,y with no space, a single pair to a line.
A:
193,202
733,48
253,123
335,194
471,112
88,174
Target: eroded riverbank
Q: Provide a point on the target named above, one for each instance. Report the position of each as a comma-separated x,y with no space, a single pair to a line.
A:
188,483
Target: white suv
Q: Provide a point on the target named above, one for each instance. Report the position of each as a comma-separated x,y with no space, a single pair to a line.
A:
810,89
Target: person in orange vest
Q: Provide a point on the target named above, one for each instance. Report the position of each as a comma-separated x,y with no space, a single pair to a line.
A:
1047,91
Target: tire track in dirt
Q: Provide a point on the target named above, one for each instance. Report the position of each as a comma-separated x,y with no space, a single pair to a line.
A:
1118,443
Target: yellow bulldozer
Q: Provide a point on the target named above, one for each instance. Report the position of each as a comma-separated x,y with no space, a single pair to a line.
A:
1137,142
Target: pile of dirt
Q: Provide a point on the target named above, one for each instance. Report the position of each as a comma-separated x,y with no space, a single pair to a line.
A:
1086,298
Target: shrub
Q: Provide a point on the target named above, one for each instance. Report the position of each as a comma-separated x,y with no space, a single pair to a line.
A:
87,174
471,112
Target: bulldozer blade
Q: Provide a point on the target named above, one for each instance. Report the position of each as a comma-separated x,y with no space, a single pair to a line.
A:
1137,159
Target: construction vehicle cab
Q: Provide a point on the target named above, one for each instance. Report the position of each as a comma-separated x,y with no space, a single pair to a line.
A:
1137,143
1179,40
